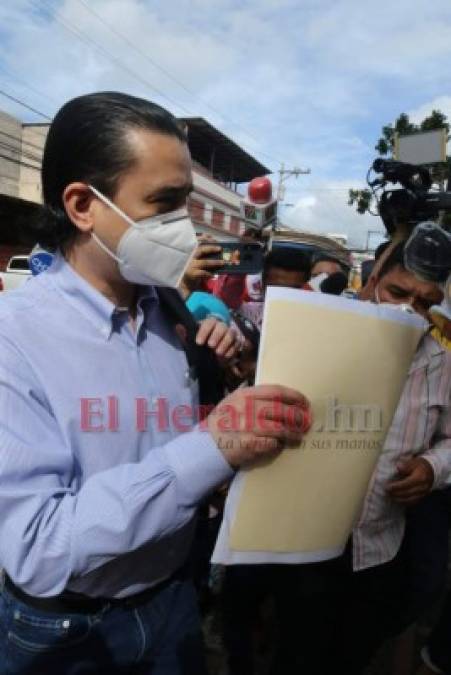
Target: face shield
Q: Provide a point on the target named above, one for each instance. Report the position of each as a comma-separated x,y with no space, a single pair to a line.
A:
428,256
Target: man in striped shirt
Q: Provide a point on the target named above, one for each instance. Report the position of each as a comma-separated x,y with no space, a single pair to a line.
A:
415,462
417,453
337,613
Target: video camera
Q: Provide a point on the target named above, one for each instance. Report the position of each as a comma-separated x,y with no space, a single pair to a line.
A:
427,251
415,202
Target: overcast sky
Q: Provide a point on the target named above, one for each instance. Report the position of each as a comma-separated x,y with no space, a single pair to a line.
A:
305,82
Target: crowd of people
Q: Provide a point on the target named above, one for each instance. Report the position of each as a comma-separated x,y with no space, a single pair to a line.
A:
108,524
395,565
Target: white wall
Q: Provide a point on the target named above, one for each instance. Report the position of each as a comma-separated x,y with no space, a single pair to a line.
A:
10,154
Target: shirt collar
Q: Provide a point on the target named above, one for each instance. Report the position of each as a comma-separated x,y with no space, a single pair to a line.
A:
88,300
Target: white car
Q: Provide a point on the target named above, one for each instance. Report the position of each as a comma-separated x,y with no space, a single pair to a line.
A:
17,272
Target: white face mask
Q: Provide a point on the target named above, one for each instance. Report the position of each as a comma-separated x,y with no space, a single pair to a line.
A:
154,251
403,307
315,282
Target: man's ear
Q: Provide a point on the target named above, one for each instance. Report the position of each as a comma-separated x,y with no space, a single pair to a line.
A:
80,204
367,292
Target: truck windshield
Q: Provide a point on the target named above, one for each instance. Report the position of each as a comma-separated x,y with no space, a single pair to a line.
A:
19,264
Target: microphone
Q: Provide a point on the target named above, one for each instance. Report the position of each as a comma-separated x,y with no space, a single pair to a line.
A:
204,305
39,260
259,208
335,284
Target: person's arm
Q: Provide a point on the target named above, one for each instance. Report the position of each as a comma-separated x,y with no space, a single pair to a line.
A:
431,469
49,531
201,269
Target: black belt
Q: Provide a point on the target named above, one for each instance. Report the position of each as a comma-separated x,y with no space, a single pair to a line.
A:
77,603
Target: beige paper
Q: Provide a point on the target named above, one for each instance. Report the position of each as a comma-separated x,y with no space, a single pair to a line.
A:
338,353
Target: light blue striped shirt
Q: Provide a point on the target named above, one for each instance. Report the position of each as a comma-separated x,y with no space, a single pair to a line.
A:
105,513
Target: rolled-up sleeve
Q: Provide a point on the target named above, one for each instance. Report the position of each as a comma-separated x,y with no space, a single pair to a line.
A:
48,531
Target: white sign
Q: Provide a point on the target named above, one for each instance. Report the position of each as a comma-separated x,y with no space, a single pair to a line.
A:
258,215
428,147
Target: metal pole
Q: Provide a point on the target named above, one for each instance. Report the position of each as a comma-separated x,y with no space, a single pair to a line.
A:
279,185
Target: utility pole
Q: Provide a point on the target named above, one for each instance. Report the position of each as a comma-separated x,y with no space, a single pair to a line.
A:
286,173
283,175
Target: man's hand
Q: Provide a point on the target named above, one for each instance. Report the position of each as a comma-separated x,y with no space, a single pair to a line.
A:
200,268
259,422
244,367
416,478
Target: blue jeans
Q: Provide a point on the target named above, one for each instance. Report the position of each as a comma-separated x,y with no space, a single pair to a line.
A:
161,637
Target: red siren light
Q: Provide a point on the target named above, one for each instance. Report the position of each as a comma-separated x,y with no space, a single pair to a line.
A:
260,190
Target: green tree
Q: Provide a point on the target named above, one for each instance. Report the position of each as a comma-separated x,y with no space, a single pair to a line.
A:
363,199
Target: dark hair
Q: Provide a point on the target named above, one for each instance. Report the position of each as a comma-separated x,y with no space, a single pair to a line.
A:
87,141
395,258
288,258
367,268
327,257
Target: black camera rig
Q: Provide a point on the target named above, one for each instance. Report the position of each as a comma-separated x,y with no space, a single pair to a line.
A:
414,209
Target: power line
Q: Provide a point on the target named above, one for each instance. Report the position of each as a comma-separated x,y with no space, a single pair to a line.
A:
14,182
15,78
344,189
21,146
17,161
106,54
145,56
80,35
20,152
21,140
25,105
